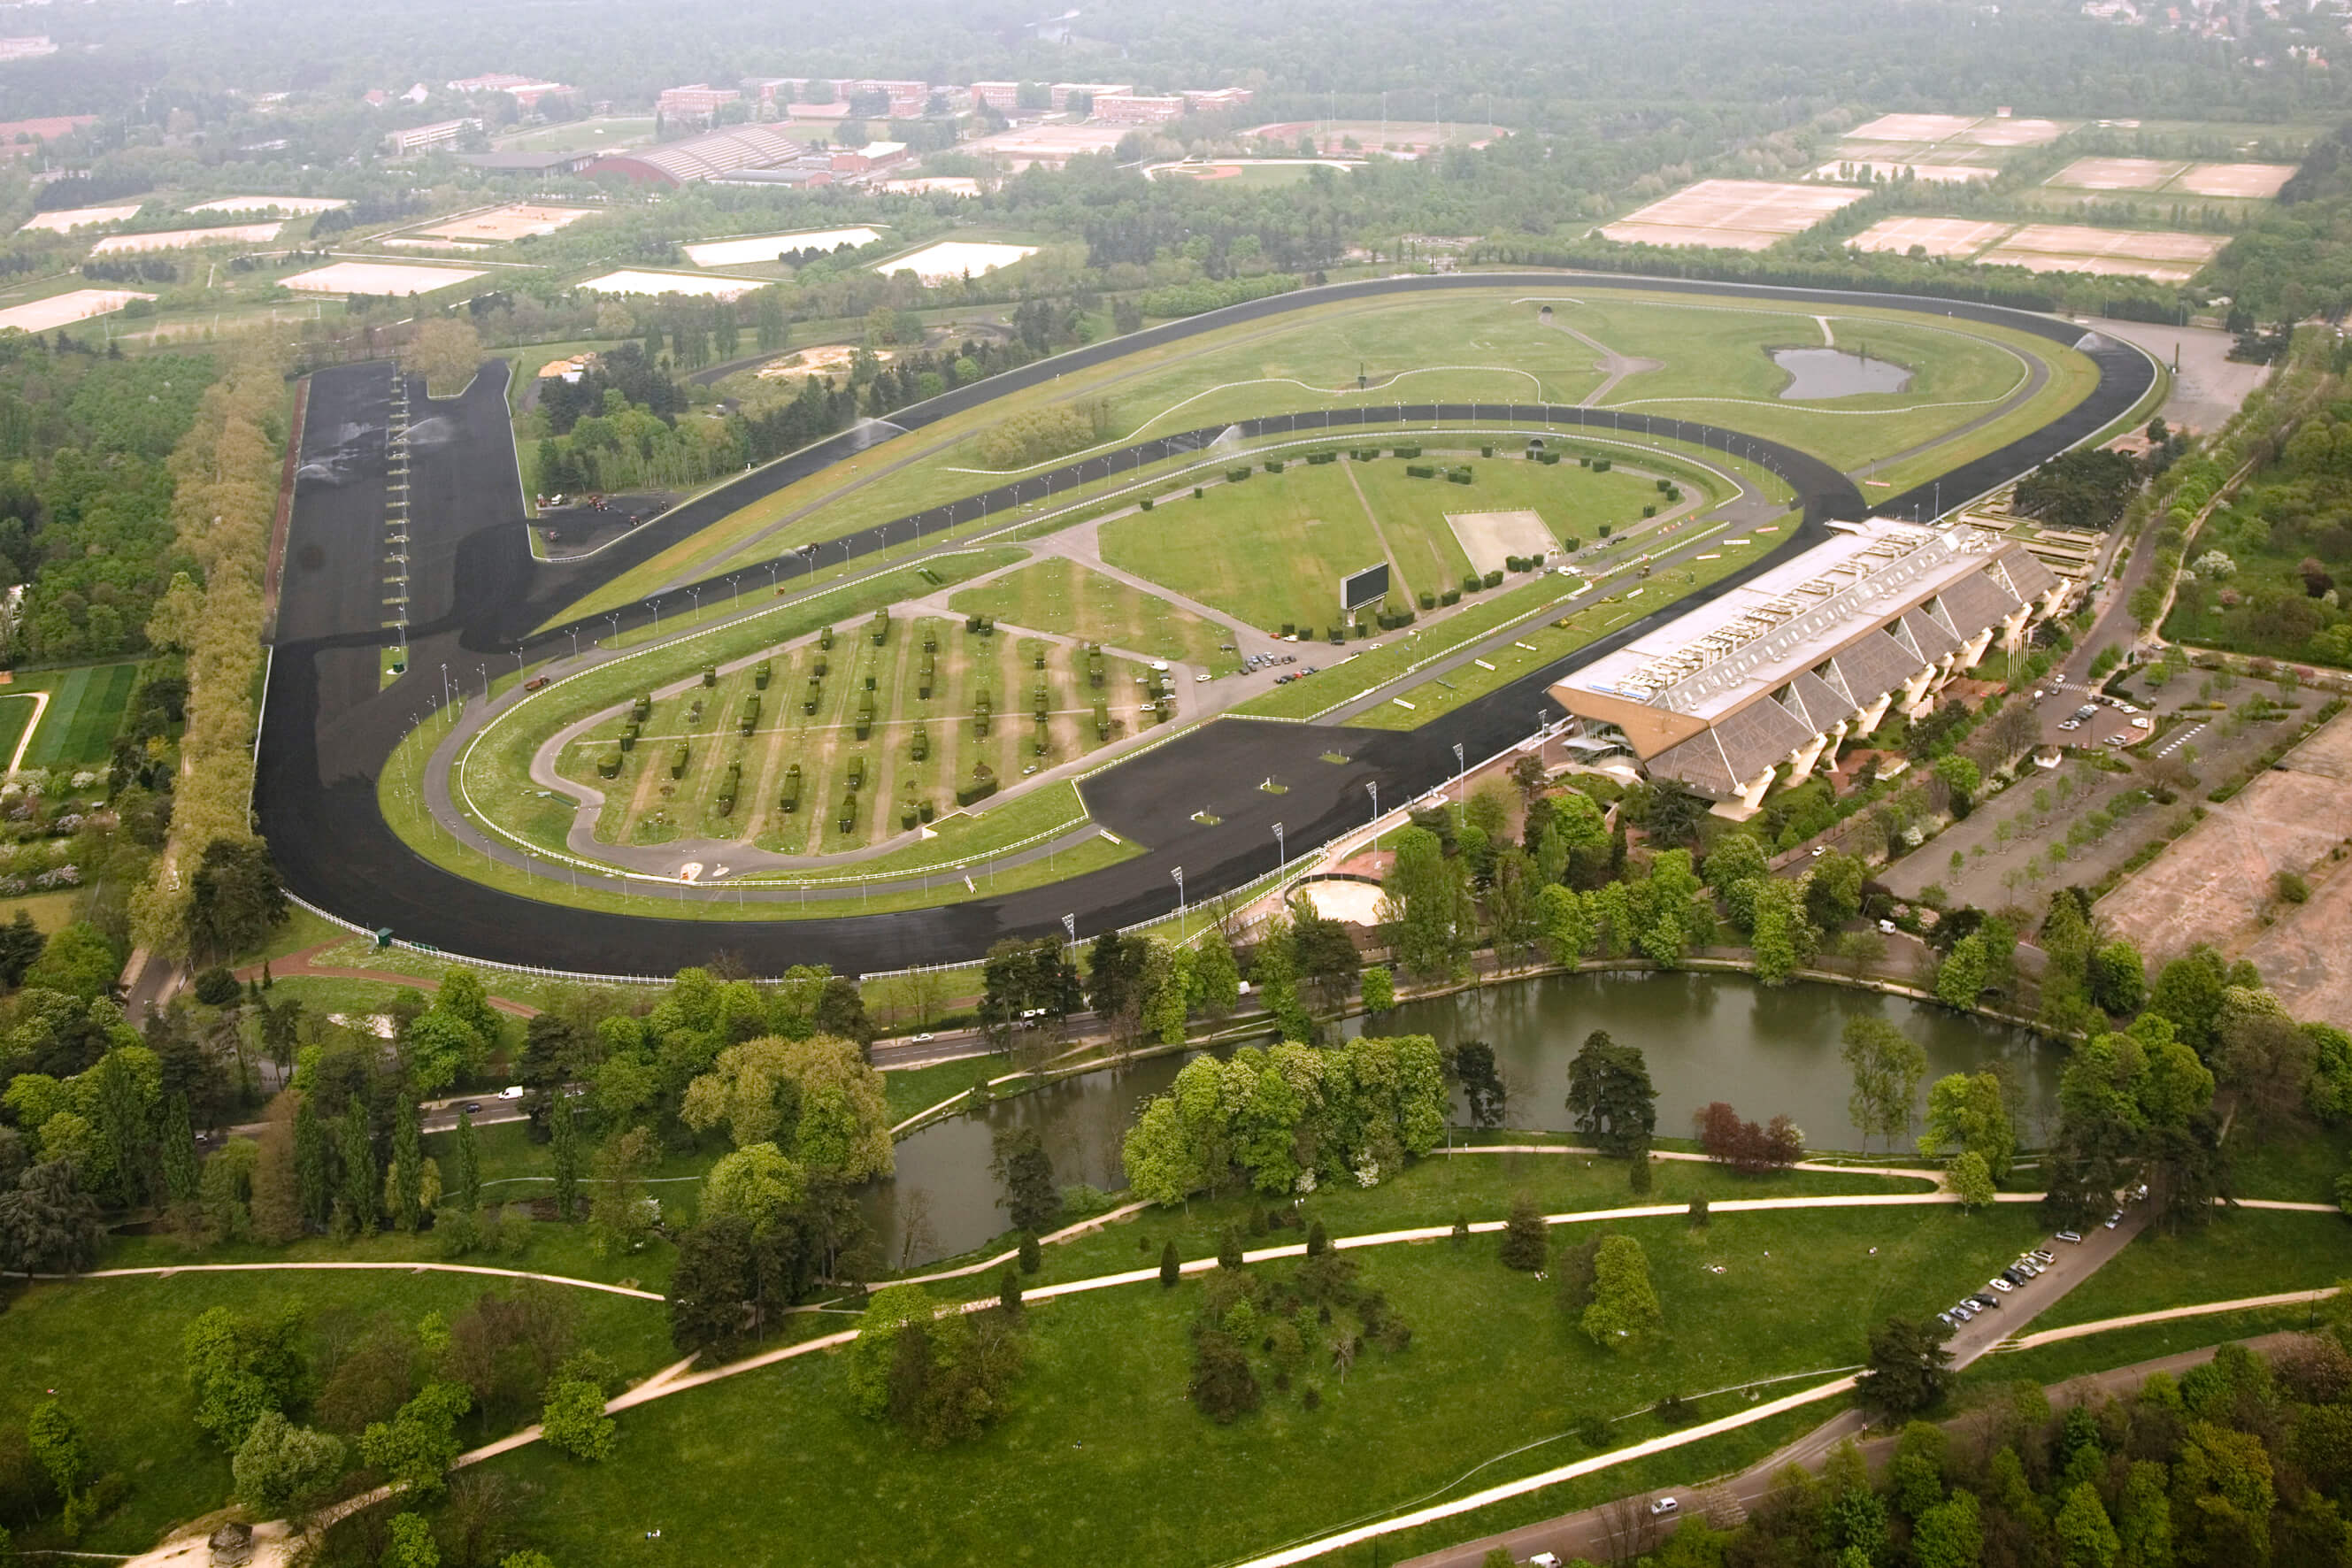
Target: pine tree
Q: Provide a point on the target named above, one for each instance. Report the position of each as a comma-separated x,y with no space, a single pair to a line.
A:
469,1164
179,1151
362,1186
314,1192
407,1188
564,1150
1170,1268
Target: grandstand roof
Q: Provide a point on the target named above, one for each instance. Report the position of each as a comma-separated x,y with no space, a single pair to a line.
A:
706,156
1820,635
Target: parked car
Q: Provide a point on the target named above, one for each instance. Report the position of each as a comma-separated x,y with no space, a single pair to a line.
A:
1949,1320
2069,1235
1661,1507
2070,723
1985,1300
2119,738
1963,1311
2115,1219
2046,1257
2143,723
1998,1283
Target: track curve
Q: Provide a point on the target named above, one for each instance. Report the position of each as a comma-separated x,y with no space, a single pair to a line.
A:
475,595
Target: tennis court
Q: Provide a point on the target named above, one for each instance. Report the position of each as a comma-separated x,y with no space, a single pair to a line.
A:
1735,215
2251,182
1914,127
2116,173
1936,236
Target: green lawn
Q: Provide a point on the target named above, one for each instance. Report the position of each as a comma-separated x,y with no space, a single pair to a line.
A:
2303,1168
14,716
1480,345
1078,1468
111,1350
1059,595
2248,1252
1271,549
85,705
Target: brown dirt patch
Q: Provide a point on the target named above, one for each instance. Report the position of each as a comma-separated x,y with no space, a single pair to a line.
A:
2216,882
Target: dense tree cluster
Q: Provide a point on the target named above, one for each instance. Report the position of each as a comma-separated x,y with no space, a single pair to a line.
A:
1289,1118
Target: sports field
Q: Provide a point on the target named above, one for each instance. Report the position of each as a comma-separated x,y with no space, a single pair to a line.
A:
378,277
86,707
187,238
1732,215
1271,549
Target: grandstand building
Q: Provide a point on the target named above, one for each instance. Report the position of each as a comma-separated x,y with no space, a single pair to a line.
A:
1779,671
710,156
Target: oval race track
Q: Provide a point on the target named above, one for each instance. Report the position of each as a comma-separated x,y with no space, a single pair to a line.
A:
476,593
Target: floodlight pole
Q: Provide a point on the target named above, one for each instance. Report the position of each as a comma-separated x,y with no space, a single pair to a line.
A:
576,642
614,617
1179,874
655,605
735,581
1460,803
1281,852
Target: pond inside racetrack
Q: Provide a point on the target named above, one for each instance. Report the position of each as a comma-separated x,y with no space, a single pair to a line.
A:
1817,374
1767,1051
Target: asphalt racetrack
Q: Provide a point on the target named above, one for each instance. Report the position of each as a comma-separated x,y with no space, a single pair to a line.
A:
474,593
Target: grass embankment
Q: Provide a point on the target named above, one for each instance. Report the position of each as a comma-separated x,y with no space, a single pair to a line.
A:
1461,348
1080,1458
124,1382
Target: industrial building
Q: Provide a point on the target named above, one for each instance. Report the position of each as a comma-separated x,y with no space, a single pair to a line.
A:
424,138
709,156
1777,672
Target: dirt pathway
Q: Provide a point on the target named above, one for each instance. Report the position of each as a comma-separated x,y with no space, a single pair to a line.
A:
300,964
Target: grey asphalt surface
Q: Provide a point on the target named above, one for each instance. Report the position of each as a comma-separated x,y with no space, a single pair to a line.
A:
328,729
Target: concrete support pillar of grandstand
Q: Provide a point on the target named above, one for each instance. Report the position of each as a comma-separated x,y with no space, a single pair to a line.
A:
1751,794
2013,630
1802,760
1973,649
1874,715
1914,698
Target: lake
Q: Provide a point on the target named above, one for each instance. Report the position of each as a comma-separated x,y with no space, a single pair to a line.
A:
1768,1051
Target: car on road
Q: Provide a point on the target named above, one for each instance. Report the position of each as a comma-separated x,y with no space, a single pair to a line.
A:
2137,1192
1662,1506
2069,1235
921,1039
1202,678
2115,1219
511,1091
1820,850
472,1107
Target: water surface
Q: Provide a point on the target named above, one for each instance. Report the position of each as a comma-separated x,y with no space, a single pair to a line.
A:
1768,1051
1818,374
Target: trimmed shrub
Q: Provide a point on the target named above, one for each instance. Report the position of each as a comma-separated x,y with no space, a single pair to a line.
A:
677,759
1317,460
1494,579
1274,465
609,765
1420,470
709,674
1450,596
1429,601
1470,582
1235,476
1144,505
762,676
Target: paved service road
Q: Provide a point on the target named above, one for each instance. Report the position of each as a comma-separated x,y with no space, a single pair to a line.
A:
476,593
